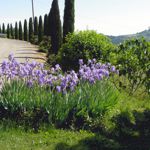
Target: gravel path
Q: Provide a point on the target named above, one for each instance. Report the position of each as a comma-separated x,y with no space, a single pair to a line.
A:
20,49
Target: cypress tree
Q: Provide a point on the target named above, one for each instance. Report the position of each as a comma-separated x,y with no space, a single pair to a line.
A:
0,29
36,26
68,25
3,30
11,31
46,24
16,30
20,30
40,35
25,31
8,31
30,30
55,27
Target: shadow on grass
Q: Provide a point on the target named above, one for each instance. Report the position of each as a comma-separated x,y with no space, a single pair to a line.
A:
132,132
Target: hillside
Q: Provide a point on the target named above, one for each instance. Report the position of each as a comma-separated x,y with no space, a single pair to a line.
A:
121,38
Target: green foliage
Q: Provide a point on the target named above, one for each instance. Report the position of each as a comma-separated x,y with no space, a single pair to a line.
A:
41,104
16,31
52,59
25,31
46,25
3,29
40,34
55,30
30,30
69,15
8,31
132,59
84,45
35,26
20,31
45,44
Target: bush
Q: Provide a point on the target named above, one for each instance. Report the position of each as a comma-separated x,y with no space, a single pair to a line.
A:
84,45
132,59
45,45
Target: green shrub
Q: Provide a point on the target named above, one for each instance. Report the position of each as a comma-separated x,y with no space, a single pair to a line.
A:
84,45
45,45
132,59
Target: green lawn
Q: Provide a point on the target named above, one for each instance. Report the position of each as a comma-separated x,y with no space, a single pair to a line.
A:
15,139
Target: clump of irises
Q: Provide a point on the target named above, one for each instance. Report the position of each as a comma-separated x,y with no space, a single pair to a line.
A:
33,73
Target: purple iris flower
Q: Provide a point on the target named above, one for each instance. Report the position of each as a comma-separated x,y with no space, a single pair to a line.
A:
58,88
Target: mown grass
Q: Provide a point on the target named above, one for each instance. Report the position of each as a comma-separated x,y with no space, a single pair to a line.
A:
17,139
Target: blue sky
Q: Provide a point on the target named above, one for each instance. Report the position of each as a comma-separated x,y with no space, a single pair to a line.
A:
111,17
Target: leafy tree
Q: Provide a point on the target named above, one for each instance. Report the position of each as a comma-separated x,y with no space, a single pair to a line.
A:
55,27
11,31
40,35
8,31
68,25
46,25
36,26
84,45
132,59
20,30
25,31
30,30
16,31
3,29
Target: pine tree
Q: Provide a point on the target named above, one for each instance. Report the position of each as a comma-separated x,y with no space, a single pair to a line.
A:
55,30
3,29
68,25
25,31
8,31
16,30
30,30
11,31
0,29
46,24
36,26
20,30
40,35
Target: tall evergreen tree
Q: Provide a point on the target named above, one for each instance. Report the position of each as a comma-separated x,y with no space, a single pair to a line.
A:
11,31
0,29
40,35
68,25
25,31
30,30
20,30
3,29
55,30
36,26
16,30
8,31
46,24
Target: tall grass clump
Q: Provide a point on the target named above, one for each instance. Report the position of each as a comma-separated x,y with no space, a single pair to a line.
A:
32,95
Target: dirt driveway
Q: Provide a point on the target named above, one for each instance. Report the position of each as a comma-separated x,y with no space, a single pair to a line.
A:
20,49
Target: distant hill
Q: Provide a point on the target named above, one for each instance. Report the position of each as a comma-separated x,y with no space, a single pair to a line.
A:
121,38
